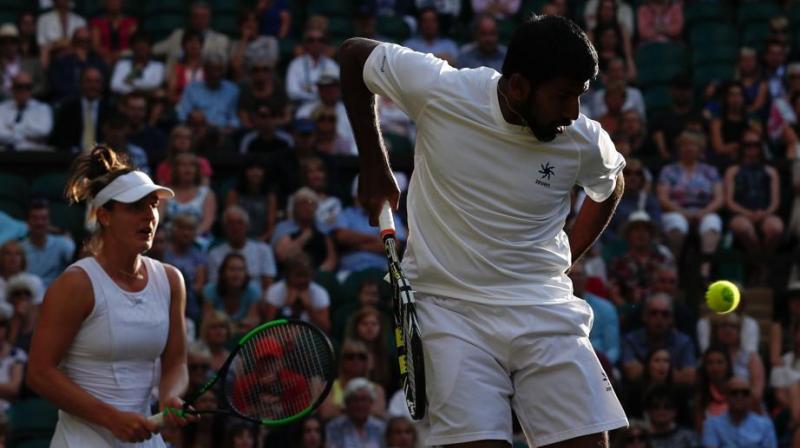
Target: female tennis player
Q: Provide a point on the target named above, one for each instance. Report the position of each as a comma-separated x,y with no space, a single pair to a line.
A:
109,317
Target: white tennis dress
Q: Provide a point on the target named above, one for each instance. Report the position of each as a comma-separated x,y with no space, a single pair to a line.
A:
113,356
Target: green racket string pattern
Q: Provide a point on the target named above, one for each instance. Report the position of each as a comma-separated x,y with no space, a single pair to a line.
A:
279,373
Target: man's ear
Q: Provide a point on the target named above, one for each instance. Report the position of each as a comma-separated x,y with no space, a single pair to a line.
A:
519,88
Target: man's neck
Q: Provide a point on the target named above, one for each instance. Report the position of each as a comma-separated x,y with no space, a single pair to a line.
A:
237,244
737,417
38,239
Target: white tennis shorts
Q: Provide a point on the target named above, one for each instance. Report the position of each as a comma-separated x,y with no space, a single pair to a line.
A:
481,361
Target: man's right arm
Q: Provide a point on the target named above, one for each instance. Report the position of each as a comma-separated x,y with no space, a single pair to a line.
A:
376,181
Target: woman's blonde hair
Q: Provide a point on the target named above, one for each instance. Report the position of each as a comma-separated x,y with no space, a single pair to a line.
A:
214,318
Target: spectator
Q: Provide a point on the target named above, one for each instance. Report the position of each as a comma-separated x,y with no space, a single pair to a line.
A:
359,243
751,334
326,135
54,28
614,98
12,362
261,85
47,255
752,195
233,293
330,96
188,69
305,70
400,433
429,40
739,426
217,98
604,334
139,73
365,22
260,261
785,318
298,296
353,363
633,128
115,134
614,74
658,332
299,233
748,73
65,68
728,129
624,13
20,293
274,18
189,259
657,373
484,51
614,37
369,326
667,125
134,107
774,56
265,137
180,141
501,9
214,43
241,436
784,378
252,44
25,123
660,21
310,433
198,360
112,31
13,62
26,24
713,374
12,266
216,332
191,196
254,193
80,120
636,198
690,193
632,273
661,408
315,177
726,331
356,427
635,435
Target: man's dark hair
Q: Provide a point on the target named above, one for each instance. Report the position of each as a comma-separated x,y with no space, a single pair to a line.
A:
547,47
659,394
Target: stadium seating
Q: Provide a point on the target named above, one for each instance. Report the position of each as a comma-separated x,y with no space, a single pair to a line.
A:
31,423
50,186
394,28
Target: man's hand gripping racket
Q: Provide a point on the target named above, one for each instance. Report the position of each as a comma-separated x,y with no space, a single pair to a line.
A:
406,327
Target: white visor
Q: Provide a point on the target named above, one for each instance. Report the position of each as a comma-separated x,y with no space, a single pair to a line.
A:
129,188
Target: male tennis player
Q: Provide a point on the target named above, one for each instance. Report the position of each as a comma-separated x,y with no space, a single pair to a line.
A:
496,158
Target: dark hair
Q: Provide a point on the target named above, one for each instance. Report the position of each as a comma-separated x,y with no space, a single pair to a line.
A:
547,47
237,429
650,355
300,264
299,429
703,382
241,182
222,285
659,393
427,9
726,88
191,34
38,203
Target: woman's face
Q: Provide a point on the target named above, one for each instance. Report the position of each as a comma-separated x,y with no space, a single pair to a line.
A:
312,434
315,177
716,366
748,63
235,273
199,368
217,334
249,25
193,48
355,363
11,260
688,150
659,366
326,122
186,170
369,328
131,225
304,210
244,439
182,140
254,174
608,40
734,98
607,12
728,333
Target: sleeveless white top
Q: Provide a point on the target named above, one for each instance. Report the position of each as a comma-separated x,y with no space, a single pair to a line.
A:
114,354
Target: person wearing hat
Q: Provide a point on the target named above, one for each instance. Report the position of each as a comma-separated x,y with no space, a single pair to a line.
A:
109,319
330,95
265,138
12,62
632,273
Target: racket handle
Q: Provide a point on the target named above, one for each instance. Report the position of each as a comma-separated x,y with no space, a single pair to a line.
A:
386,218
158,419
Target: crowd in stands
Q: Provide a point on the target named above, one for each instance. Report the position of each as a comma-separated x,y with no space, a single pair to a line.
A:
702,97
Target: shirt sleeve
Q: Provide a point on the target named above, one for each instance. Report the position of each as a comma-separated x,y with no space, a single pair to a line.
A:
276,294
710,436
600,165
267,261
406,76
319,297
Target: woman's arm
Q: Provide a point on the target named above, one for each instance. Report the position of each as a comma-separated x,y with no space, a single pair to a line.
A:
627,48
329,264
67,303
662,191
272,216
200,277
174,373
756,368
286,247
730,190
716,201
209,213
10,389
775,336
717,142
761,98
774,191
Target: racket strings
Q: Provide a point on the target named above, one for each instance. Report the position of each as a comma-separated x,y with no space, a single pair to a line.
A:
279,372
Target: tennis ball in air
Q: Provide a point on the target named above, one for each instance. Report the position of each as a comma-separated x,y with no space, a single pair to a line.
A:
722,296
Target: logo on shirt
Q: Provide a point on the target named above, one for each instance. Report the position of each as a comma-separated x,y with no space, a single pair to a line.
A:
547,172
383,65
606,382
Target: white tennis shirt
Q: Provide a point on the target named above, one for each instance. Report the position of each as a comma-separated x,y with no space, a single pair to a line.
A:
487,201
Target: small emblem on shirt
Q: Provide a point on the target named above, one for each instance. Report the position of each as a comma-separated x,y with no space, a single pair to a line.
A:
547,172
607,383
383,65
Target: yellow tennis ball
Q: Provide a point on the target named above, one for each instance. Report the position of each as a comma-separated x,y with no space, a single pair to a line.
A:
722,296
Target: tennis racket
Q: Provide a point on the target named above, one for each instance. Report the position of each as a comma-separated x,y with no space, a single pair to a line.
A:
278,373
407,334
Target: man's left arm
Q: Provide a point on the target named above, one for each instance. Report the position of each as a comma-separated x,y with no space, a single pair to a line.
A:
593,219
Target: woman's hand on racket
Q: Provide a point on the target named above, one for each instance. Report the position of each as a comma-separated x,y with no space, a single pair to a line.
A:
175,417
131,427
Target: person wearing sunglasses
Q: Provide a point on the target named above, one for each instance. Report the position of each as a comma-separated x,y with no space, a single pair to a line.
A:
354,362
305,70
25,123
739,426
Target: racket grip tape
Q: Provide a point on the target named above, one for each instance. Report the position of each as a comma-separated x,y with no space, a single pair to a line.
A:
158,419
386,218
